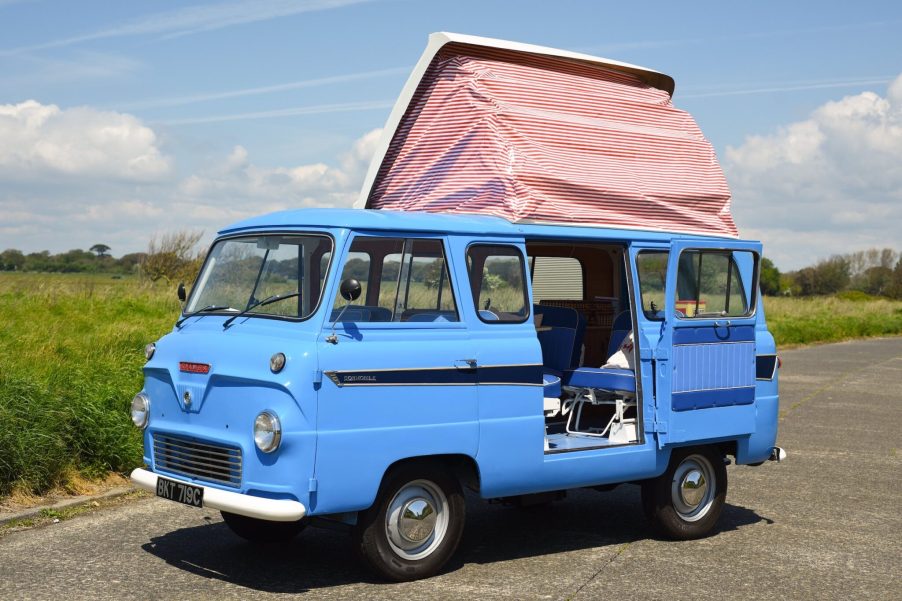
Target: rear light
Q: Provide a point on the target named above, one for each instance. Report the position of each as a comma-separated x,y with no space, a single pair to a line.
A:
194,368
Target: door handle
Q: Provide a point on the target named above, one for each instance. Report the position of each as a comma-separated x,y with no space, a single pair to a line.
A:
465,364
722,324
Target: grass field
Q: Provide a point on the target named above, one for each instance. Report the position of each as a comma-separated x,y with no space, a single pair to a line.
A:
71,352
795,321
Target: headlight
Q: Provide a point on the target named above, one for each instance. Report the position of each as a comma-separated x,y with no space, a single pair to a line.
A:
141,410
267,432
149,350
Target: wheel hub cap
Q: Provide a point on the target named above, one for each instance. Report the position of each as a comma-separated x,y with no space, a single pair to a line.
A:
693,488
416,521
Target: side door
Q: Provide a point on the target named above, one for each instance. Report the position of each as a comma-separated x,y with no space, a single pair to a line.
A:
705,358
398,378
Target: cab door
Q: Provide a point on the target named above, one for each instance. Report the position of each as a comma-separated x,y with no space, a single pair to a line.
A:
397,372
705,358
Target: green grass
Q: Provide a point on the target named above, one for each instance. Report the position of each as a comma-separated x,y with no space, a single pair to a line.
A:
71,352
795,321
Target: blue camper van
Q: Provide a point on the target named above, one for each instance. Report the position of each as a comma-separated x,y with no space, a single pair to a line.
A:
365,366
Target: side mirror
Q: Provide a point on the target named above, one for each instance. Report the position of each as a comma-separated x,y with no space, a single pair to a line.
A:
350,290
181,292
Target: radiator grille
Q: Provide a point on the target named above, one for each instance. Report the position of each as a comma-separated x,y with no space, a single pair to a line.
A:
198,459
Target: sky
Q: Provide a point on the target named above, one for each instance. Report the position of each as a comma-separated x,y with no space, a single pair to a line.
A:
124,120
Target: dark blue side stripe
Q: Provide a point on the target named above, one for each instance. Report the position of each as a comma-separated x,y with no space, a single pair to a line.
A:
451,376
706,399
712,334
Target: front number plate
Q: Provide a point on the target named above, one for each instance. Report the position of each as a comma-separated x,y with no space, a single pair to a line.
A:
180,492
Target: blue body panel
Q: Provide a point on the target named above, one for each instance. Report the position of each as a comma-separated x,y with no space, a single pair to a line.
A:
389,391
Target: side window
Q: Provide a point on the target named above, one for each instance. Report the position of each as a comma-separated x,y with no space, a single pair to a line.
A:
556,278
498,283
651,267
402,279
709,284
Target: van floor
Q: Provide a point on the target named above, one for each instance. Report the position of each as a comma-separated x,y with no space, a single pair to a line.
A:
574,442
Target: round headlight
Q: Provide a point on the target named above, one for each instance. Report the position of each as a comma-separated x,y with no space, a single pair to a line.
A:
267,432
141,410
277,362
149,350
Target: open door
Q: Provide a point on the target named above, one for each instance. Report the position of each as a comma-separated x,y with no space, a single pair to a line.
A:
705,359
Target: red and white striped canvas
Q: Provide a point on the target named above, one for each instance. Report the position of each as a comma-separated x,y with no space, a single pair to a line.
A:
537,138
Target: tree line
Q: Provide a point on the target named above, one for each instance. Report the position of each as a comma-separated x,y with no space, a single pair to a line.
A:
176,257
876,272
171,257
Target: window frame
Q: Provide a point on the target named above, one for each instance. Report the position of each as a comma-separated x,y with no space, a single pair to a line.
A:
531,259
402,236
752,309
524,275
257,234
641,304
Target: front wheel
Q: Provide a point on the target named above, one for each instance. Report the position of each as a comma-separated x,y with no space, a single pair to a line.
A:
415,524
262,531
685,501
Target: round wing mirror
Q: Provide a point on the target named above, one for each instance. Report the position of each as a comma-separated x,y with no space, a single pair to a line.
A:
181,292
350,290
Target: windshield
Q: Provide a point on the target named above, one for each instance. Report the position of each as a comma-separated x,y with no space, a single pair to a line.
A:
241,272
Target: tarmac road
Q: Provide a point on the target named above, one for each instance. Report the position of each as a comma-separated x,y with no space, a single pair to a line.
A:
825,524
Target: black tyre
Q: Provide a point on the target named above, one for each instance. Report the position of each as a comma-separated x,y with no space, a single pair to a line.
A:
686,501
262,531
415,524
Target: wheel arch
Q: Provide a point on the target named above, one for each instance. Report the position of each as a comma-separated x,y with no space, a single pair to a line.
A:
462,466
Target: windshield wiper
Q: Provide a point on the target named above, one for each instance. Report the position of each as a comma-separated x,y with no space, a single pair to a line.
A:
266,301
206,309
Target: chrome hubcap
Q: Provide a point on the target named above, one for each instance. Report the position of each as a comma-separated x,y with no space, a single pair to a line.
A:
693,488
417,519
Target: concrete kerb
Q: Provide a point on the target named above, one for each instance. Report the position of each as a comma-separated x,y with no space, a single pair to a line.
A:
33,512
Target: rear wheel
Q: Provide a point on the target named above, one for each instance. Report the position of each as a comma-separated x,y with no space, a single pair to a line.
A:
415,524
686,501
262,531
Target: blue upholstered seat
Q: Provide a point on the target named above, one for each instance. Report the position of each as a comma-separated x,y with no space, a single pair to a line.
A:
561,339
603,378
552,385
606,378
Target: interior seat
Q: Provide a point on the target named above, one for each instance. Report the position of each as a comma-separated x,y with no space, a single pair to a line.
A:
561,337
606,378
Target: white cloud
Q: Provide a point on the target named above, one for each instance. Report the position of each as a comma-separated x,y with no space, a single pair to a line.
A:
830,184
39,141
240,183
80,211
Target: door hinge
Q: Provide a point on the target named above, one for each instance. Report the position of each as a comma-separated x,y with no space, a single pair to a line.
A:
311,485
317,377
660,427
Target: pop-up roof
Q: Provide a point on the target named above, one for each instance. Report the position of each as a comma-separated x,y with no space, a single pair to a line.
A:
535,134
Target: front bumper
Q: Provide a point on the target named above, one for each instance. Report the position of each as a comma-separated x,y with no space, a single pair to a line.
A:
275,510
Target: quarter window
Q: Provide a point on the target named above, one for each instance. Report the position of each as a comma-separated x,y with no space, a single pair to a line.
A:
498,283
557,278
651,266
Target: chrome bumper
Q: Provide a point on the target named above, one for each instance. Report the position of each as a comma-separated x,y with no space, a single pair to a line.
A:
275,510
